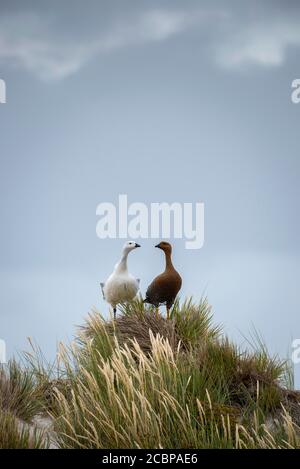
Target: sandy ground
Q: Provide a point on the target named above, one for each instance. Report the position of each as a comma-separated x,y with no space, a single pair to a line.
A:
41,424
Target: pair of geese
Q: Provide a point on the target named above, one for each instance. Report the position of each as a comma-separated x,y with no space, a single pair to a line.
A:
121,286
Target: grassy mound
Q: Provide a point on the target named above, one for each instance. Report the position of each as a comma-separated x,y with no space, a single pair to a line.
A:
145,382
21,400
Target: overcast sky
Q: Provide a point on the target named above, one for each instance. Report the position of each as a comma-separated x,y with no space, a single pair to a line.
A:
175,101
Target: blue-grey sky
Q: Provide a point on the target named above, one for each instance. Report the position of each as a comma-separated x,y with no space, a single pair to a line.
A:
164,101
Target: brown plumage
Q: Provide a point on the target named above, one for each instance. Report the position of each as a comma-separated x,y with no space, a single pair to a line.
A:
164,288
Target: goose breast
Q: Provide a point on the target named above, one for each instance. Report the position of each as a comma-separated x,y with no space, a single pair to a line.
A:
164,288
120,288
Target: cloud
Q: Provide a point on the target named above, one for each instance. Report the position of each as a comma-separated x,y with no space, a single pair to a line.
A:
155,25
32,42
26,43
263,45
23,43
43,59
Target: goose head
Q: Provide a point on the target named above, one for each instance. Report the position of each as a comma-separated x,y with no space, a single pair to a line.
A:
130,246
164,246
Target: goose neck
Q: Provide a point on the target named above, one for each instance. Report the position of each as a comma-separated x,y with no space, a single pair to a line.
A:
168,258
122,265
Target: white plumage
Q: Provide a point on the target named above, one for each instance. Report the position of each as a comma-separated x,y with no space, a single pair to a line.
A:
121,286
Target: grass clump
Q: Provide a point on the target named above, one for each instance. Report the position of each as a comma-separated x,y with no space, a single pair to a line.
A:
145,382
14,434
18,391
20,403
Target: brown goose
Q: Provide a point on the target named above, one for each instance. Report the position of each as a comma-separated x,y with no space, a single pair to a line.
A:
164,288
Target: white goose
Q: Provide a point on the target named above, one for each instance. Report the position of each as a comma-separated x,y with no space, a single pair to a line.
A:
121,286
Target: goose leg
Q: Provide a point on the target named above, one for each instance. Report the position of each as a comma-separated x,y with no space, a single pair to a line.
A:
168,312
115,313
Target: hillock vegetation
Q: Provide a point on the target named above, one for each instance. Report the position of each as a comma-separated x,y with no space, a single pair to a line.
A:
145,382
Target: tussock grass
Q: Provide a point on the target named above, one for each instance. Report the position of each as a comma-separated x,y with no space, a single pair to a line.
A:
14,434
144,382
21,400
18,391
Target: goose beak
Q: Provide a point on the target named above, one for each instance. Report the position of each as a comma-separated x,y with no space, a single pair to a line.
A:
157,246
137,245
